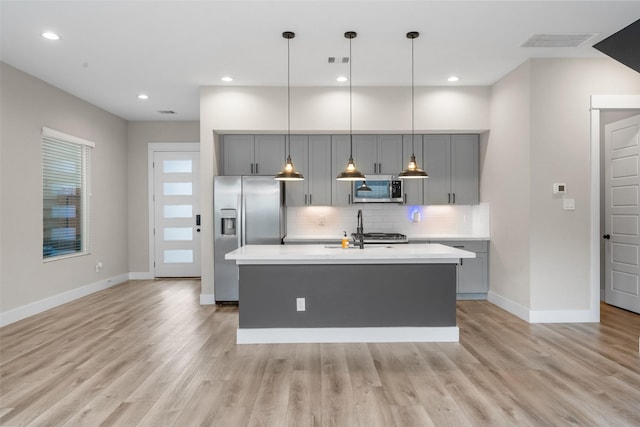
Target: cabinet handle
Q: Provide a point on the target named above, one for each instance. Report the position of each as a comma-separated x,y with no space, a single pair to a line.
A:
379,167
448,197
375,167
349,198
454,198
251,168
305,199
404,199
257,169
310,202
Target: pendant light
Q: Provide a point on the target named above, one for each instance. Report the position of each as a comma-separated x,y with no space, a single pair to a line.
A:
289,173
350,173
412,171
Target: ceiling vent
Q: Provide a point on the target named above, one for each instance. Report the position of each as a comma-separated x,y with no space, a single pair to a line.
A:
166,112
557,40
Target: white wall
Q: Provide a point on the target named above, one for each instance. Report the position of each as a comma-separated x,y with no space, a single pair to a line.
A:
28,104
558,148
325,110
139,135
504,182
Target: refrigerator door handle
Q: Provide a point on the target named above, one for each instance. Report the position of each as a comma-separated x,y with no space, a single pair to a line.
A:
243,219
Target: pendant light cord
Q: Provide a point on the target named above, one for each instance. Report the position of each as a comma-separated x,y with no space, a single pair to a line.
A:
413,103
288,98
350,106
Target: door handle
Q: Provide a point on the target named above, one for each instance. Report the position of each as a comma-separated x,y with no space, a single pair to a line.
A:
198,220
607,236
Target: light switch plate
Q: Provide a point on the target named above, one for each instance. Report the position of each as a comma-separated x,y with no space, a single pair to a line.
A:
300,304
569,204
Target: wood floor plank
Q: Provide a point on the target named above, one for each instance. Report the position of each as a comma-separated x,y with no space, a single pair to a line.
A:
146,353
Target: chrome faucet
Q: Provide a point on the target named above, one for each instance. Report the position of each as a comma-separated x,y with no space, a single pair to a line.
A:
360,231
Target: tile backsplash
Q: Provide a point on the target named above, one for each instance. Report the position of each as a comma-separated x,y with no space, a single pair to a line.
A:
414,221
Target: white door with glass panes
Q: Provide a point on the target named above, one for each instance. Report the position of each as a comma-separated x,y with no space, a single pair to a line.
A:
176,214
622,214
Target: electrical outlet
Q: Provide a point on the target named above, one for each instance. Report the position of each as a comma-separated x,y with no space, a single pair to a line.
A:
98,266
300,304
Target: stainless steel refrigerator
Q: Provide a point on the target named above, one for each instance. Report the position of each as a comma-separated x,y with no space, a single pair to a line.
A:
248,210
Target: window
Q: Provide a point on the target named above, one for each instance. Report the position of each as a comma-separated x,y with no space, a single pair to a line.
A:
66,162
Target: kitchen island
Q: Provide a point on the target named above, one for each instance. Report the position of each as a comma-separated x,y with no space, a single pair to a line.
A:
323,293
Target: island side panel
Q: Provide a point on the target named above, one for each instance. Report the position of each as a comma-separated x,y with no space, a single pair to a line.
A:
373,295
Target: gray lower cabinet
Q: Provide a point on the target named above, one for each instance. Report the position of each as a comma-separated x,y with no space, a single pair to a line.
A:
452,164
473,274
311,155
253,154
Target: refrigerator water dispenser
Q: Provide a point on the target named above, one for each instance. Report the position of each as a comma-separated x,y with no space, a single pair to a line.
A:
228,218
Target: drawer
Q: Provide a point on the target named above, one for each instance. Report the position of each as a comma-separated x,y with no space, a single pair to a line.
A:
467,245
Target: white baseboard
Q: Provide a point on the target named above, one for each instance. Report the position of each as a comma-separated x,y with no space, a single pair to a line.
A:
563,316
36,307
337,335
508,305
207,299
543,316
142,275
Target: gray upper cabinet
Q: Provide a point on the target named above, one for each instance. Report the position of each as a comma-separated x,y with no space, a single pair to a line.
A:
378,154
238,154
311,155
253,154
464,169
452,164
413,188
340,190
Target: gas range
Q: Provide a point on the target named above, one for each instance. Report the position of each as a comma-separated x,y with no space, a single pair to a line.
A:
382,238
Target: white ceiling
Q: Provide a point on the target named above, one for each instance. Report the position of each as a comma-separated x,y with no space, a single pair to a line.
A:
111,51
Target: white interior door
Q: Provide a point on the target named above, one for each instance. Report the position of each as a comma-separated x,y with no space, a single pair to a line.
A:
176,214
622,212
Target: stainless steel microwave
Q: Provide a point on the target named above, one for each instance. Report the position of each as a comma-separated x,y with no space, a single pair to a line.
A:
383,189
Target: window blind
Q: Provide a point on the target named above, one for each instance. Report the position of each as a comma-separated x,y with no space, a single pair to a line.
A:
66,162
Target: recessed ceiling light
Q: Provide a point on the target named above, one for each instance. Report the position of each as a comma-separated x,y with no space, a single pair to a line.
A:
227,79
50,35
453,79
341,79
143,96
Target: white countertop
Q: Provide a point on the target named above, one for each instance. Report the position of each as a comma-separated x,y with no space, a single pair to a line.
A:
413,238
334,254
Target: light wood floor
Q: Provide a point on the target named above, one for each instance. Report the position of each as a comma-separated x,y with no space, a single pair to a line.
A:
145,353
